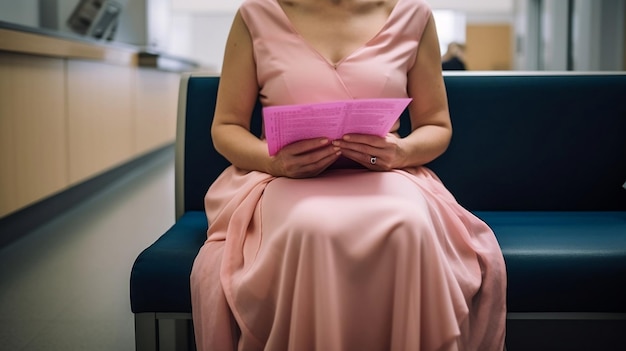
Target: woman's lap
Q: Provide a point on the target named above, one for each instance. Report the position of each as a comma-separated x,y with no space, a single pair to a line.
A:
352,260
354,249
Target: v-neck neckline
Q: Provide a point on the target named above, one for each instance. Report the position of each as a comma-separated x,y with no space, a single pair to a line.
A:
332,64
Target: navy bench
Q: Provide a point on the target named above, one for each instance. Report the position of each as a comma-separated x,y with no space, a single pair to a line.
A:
540,157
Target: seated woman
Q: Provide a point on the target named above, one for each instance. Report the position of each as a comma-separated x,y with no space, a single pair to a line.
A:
349,244
454,58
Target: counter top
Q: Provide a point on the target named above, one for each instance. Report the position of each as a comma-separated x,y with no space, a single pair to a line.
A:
45,42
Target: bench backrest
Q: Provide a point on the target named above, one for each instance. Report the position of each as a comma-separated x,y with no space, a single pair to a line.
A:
520,142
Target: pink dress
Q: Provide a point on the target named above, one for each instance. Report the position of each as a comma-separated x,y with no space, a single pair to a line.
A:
351,259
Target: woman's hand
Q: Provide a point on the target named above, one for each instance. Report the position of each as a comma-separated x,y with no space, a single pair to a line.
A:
373,152
305,158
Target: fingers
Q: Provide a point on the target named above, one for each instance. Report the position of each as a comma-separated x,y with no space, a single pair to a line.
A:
366,144
315,168
307,158
373,140
304,146
371,151
372,158
371,161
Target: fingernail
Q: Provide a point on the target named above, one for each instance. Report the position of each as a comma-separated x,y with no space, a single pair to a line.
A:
346,137
324,141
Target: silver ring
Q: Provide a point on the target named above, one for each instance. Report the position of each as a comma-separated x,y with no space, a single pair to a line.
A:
373,160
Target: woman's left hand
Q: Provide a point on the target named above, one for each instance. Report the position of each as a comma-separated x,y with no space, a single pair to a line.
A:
371,151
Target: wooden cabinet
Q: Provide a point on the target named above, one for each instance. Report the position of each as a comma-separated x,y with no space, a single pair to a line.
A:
33,133
64,120
100,117
156,101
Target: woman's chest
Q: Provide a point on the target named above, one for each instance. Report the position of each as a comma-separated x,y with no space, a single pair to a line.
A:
337,32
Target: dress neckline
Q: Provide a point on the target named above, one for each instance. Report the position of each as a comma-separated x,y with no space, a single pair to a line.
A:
335,65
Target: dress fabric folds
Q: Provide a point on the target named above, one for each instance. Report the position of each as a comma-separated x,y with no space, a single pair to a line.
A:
351,259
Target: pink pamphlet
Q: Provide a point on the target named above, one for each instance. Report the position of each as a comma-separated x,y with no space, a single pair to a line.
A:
289,123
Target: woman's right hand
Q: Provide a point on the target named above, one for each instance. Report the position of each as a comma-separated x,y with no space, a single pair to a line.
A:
304,158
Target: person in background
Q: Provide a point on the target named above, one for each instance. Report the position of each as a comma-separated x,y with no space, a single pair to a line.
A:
454,58
348,244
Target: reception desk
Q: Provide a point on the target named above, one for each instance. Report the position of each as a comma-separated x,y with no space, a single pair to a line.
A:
72,109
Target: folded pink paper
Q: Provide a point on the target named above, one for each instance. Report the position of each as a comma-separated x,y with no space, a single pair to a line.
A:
289,123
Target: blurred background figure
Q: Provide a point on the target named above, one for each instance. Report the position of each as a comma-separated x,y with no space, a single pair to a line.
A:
454,58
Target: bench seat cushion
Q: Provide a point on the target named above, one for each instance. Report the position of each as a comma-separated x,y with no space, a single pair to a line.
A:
159,280
556,262
563,261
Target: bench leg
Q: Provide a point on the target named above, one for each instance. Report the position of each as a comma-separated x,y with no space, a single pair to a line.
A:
175,334
164,332
146,332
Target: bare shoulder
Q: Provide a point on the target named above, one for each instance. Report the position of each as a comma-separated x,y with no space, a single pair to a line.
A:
239,29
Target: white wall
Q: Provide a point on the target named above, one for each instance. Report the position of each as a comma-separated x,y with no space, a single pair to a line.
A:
24,12
475,6
450,27
206,6
200,37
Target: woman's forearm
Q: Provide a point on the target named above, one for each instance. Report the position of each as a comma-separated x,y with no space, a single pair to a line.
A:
425,144
241,148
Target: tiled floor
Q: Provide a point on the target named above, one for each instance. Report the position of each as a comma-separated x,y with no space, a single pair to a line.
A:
65,286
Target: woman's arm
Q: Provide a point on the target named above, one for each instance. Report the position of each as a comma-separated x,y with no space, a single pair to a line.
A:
236,97
430,117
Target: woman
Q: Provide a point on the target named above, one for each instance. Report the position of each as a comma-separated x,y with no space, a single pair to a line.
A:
454,58
347,244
